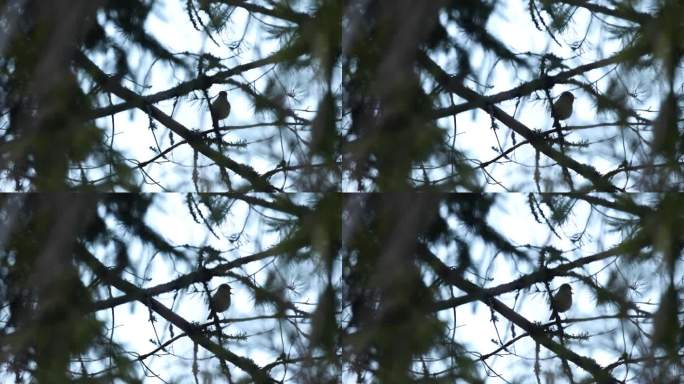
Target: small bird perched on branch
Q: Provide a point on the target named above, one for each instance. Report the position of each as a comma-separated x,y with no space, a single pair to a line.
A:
562,300
220,301
220,108
562,108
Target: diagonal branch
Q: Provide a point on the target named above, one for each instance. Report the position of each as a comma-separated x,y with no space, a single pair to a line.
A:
622,12
590,173
536,332
182,89
248,173
258,374
198,276
283,12
526,89
547,273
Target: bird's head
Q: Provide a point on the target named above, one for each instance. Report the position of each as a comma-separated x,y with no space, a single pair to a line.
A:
224,288
566,287
568,95
224,94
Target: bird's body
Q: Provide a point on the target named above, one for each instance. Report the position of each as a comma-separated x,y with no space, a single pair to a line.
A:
220,301
220,108
562,300
562,108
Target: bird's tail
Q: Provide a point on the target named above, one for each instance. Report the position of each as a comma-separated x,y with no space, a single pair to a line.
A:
211,314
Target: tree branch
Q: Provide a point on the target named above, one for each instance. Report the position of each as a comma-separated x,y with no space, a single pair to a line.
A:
536,140
535,331
525,89
258,374
248,173
547,274
182,89
621,13
188,279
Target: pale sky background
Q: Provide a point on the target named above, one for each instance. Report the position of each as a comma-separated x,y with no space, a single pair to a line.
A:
170,25
170,218
511,216
511,24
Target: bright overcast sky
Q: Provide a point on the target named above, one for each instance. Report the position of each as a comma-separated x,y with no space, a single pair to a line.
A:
511,215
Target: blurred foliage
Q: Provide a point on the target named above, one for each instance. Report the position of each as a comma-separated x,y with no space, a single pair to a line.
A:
378,319
394,138
50,284
49,140
46,298
350,286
